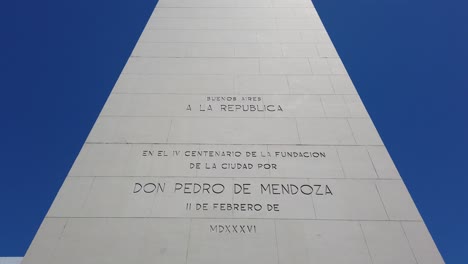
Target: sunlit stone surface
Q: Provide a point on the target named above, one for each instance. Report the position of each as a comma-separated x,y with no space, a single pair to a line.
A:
10,260
233,135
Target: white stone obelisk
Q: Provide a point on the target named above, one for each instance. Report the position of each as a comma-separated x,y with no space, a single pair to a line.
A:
233,135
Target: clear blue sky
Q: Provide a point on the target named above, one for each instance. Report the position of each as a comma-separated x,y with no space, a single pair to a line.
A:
408,59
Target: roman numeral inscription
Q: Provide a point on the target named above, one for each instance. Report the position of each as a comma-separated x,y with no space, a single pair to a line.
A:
233,229
233,135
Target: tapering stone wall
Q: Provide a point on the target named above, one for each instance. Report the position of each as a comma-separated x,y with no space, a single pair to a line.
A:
233,135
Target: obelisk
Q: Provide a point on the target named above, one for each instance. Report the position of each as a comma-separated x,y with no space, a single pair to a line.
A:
233,135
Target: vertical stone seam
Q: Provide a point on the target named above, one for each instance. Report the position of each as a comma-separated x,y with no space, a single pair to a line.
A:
365,241
331,83
188,241
313,204
381,201
341,163
409,243
276,240
287,80
169,131
352,132
310,66
87,195
297,129
373,165
323,106
54,252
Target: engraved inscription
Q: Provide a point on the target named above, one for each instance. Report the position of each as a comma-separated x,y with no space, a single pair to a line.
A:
233,229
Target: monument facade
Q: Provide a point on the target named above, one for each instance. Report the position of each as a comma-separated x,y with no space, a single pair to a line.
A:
233,135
